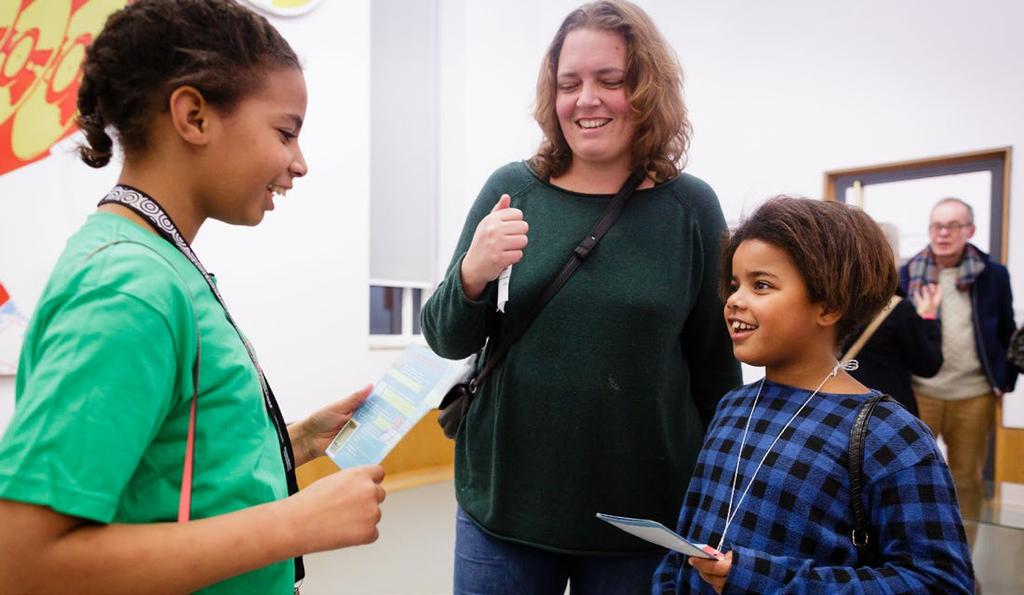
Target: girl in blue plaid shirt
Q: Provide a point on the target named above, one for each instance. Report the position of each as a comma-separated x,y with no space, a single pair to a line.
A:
771,486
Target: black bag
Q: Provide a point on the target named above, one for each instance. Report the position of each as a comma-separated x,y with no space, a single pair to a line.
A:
1015,354
453,408
456,402
858,435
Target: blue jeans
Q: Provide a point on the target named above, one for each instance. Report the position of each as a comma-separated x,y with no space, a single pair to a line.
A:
488,566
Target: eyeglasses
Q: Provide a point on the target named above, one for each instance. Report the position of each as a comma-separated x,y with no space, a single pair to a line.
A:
952,226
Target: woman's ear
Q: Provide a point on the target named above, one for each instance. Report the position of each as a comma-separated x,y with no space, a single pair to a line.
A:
190,114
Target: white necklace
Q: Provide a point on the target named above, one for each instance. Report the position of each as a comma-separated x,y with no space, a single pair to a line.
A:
731,513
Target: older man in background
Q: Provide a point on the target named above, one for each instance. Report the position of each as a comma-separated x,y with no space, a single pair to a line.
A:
958,403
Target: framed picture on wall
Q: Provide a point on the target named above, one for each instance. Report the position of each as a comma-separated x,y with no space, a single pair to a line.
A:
903,194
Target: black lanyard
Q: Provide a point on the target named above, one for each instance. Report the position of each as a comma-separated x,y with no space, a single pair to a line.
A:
146,207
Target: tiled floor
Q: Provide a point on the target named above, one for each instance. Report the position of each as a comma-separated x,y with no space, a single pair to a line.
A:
999,545
417,535
414,555
1006,507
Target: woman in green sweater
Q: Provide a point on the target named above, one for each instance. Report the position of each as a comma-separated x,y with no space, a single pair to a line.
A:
601,406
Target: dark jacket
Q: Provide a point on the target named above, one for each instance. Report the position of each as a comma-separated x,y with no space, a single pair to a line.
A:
992,311
904,344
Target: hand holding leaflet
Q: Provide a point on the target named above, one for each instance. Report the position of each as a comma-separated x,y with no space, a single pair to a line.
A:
659,534
411,387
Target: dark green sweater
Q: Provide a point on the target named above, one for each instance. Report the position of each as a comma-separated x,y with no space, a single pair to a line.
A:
601,405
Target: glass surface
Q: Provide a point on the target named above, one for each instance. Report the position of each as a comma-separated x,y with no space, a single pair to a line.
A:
1005,508
997,541
997,552
385,310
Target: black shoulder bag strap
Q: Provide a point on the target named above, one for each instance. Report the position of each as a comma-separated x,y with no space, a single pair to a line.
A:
858,436
579,256
151,211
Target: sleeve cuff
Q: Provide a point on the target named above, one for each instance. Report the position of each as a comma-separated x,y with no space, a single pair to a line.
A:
457,279
752,572
65,500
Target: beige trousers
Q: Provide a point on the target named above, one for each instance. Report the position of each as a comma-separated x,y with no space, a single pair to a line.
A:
964,425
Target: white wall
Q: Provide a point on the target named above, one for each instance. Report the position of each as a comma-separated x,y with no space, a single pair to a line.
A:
779,92
297,284
40,206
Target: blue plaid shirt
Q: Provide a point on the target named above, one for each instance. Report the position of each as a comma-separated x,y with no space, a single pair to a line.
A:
792,531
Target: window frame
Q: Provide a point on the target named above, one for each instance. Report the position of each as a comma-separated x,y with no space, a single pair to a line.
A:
996,161
406,336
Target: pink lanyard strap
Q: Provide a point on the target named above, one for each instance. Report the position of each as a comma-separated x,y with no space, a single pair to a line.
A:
185,498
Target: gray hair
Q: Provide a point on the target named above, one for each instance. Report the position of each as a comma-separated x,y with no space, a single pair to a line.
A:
970,209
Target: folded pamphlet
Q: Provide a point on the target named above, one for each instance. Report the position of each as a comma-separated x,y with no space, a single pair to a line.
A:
659,534
411,387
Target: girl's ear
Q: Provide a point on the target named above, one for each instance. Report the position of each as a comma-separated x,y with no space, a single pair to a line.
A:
828,317
190,115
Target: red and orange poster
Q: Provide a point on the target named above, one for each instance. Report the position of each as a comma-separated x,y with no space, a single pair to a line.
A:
42,44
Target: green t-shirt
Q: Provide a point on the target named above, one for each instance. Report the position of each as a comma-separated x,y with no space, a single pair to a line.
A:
104,388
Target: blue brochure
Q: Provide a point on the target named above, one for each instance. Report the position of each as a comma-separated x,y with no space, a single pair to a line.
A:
411,387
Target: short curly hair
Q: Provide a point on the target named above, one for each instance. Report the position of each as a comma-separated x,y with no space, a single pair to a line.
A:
654,87
151,47
841,253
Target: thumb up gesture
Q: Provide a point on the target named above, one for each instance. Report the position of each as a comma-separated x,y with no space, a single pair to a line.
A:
498,242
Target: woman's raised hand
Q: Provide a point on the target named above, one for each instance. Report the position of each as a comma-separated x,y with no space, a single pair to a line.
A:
498,242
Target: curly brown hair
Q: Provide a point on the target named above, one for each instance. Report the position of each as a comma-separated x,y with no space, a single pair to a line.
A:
654,86
841,253
151,47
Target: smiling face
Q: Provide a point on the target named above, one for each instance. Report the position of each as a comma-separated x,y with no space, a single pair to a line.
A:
254,150
772,321
591,103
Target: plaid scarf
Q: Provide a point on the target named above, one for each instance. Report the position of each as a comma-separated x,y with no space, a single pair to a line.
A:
922,270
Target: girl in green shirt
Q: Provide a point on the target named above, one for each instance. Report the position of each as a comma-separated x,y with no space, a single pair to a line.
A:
130,337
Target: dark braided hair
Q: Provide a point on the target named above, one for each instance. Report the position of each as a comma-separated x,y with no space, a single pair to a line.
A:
151,47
